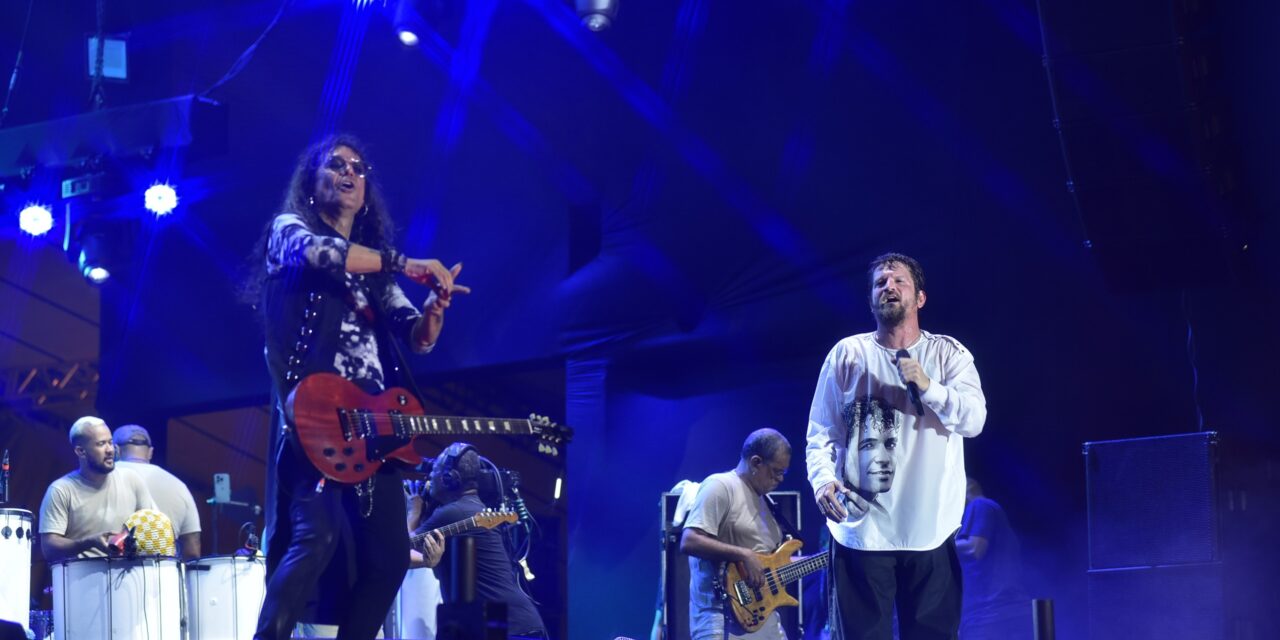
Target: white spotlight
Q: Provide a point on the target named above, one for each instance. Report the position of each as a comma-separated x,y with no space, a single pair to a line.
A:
35,219
597,15
160,199
407,37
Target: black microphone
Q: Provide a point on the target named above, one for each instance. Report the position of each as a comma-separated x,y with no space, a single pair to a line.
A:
252,543
131,543
912,388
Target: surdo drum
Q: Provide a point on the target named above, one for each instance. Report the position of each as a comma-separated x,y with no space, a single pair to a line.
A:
224,596
15,566
110,598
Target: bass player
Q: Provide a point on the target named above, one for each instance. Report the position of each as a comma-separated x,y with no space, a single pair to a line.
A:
730,522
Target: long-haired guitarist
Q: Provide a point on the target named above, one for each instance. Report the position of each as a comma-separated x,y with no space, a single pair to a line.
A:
730,522
326,289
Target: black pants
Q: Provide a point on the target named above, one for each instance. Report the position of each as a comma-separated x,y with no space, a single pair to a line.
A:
308,529
923,585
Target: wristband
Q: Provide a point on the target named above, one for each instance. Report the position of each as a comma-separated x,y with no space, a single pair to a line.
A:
393,261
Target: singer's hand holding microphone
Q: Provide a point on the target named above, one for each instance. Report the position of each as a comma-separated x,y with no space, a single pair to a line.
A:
913,375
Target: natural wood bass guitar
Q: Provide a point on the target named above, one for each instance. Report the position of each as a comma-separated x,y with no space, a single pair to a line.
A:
751,607
347,434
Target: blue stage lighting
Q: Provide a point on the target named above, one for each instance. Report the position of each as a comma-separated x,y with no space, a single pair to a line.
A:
161,199
35,219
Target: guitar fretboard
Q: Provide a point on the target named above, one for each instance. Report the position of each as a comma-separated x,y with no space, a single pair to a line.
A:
363,422
801,568
461,526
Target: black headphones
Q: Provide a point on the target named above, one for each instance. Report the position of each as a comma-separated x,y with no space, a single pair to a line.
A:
450,478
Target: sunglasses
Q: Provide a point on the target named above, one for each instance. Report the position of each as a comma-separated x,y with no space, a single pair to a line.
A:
337,163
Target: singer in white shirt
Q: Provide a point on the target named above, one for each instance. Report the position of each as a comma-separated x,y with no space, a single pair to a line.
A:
885,456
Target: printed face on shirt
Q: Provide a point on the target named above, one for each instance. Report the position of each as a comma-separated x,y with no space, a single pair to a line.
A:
339,183
893,294
96,449
870,464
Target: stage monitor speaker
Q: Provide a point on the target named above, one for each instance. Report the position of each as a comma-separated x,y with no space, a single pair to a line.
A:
1147,137
1179,602
675,569
1152,501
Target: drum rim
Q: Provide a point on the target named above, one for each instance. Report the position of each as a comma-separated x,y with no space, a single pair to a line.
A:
222,556
4,511
110,559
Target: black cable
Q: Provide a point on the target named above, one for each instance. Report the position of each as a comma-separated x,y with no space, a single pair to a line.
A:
244,58
1195,369
17,63
96,97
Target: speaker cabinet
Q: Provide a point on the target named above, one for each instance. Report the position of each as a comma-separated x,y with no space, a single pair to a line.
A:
675,569
1152,501
1178,602
1155,567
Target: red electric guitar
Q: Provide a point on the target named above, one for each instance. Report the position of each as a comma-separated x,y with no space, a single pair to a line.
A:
347,434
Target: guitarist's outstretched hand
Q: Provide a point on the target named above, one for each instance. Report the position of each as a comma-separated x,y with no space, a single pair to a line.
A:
751,568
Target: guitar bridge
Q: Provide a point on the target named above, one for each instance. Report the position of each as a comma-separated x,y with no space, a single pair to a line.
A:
742,593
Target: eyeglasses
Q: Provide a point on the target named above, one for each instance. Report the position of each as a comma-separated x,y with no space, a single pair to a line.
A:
778,473
337,163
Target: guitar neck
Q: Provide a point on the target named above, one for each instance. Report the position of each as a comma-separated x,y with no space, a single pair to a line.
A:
461,526
794,571
408,426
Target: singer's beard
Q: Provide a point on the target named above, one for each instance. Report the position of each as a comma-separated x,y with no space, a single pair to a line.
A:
890,315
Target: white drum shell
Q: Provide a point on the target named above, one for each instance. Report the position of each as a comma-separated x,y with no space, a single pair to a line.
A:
415,606
224,596
115,598
15,566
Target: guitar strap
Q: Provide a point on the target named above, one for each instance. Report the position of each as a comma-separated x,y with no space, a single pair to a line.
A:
783,523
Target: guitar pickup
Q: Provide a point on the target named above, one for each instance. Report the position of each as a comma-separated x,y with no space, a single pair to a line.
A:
345,424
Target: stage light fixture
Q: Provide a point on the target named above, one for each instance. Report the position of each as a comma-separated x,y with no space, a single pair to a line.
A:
35,219
115,58
93,256
160,199
407,37
597,15
403,19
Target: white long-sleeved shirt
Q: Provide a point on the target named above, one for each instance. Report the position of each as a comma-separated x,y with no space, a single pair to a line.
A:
926,501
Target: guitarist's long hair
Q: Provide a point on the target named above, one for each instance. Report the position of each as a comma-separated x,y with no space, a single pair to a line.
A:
372,228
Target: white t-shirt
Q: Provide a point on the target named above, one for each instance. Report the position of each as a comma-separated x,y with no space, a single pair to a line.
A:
171,495
860,385
76,509
732,512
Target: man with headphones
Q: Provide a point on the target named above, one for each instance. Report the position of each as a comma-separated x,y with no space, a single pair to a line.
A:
454,487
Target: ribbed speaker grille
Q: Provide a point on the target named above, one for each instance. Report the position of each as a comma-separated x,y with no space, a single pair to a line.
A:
1152,501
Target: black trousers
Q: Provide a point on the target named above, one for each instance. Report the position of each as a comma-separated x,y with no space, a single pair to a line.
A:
313,528
924,586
